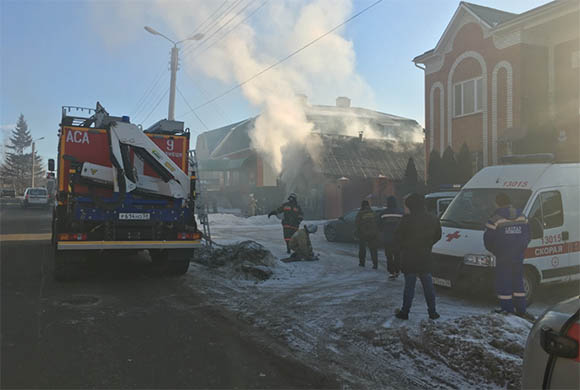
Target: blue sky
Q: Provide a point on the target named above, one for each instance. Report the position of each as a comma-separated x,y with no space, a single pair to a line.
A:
55,53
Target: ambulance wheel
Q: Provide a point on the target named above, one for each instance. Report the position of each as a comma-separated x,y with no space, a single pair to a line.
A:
530,284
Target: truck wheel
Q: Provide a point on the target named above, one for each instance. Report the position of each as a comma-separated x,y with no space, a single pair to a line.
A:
177,267
170,262
530,284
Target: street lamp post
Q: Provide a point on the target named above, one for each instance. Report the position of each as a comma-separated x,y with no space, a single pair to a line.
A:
173,67
33,141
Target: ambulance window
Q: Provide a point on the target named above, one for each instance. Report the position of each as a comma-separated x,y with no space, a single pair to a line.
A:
552,209
547,212
535,219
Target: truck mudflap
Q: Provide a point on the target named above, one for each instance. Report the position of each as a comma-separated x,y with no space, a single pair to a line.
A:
104,245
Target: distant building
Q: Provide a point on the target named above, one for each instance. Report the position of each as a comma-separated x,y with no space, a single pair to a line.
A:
348,169
494,76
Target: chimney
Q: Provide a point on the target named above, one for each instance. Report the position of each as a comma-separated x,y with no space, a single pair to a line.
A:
342,102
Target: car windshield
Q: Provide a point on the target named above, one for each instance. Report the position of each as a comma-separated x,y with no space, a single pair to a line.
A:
37,191
473,207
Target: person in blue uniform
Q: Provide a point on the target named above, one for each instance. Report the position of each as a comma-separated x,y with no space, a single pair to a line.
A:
507,235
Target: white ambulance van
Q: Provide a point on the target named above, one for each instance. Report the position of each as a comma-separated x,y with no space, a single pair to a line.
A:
548,194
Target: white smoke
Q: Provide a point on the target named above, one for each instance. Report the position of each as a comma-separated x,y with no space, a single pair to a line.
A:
323,71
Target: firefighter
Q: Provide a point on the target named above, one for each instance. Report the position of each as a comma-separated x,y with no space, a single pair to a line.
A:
367,231
390,219
301,245
291,219
507,235
416,234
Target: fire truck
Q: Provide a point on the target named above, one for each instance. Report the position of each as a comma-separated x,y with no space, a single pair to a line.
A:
123,189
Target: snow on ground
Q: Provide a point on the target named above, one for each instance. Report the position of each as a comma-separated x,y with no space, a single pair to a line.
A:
339,317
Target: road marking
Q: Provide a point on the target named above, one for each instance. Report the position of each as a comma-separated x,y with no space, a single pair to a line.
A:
25,237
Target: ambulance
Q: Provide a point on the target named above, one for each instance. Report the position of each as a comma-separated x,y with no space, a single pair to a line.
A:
548,194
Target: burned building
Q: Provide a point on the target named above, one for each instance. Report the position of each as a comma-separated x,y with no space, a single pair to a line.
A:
354,153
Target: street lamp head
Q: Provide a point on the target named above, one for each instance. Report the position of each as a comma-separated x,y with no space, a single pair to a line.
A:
152,31
195,37
38,139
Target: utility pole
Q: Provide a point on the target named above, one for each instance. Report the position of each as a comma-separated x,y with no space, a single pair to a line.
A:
32,164
33,160
174,65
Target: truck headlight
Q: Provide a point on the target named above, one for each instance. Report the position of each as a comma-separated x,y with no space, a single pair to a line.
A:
479,260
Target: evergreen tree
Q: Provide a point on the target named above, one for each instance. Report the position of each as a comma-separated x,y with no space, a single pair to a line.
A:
434,171
464,168
17,167
448,167
409,183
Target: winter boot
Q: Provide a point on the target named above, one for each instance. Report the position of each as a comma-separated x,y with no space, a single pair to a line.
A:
434,315
400,314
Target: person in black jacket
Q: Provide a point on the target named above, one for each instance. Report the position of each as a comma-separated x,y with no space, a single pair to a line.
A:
390,218
292,218
367,230
415,235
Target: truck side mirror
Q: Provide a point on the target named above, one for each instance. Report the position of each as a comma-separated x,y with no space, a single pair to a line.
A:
50,164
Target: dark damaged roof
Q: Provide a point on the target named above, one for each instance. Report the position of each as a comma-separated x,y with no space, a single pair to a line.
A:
369,158
234,138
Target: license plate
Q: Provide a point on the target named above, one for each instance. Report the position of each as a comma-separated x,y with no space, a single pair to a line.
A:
134,216
442,282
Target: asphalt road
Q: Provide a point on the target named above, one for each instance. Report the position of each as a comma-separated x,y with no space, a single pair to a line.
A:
119,326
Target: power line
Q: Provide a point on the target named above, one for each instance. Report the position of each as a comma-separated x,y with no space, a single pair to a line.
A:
224,25
195,50
150,102
147,92
154,108
192,110
283,59
142,100
216,23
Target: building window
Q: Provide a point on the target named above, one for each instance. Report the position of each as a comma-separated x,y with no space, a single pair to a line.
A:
468,97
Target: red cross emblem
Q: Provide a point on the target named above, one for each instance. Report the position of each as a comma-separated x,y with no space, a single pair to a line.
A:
453,235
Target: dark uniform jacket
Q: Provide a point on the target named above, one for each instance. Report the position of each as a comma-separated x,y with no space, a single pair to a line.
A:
415,236
292,214
366,226
507,234
390,219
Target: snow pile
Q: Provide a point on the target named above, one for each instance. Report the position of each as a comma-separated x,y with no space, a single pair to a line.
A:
246,259
482,350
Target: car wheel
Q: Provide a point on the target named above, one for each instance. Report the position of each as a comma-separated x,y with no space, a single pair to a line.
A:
330,234
530,284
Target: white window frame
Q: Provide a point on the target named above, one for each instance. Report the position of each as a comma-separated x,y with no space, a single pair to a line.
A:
475,101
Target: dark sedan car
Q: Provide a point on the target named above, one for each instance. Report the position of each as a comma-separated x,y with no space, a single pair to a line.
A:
342,228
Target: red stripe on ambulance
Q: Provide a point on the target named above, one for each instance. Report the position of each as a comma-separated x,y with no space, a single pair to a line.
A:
551,250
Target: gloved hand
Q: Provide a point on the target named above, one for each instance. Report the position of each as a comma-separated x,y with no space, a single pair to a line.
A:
271,213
